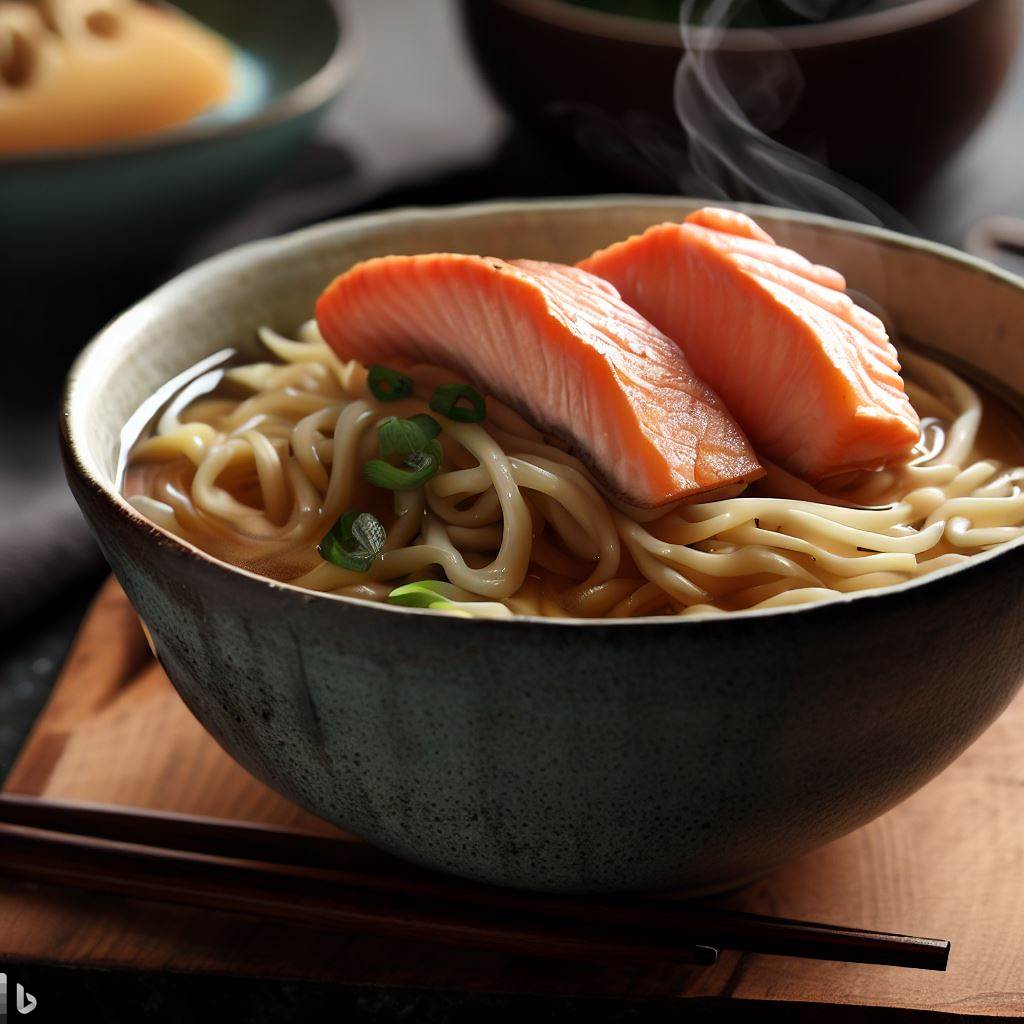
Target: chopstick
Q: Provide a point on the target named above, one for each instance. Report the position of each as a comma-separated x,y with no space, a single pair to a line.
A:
330,882
309,896
305,899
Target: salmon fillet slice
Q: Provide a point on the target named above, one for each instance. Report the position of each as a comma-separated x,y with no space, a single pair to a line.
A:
810,376
561,346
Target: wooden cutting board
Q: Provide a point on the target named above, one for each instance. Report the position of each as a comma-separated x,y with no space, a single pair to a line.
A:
948,862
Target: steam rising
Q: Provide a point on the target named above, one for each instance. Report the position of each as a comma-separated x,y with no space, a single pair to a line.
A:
725,119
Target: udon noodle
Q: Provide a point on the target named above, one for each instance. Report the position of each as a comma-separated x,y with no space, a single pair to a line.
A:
253,464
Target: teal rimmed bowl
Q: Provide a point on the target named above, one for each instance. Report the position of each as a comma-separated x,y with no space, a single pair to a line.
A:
83,211
561,754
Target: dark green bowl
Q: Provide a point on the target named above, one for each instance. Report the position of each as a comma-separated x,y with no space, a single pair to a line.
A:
134,203
555,753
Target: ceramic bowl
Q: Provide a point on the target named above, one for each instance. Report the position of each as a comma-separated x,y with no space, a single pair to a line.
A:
870,95
134,203
561,754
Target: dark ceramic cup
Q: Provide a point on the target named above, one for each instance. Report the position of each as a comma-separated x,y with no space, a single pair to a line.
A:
556,754
884,97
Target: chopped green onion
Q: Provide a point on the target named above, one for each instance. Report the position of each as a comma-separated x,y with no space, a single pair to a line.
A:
389,385
444,597
421,466
354,541
406,437
430,427
424,594
459,402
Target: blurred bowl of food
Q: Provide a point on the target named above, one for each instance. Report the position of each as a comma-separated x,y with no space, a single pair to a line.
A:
868,91
127,128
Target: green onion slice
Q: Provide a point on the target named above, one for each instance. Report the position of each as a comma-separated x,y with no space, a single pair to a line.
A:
389,385
421,466
354,541
430,427
424,594
406,437
445,597
459,402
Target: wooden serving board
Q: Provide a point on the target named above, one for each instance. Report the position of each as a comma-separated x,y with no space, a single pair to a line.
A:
948,862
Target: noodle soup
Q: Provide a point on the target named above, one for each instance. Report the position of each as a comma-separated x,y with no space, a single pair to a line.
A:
253,463
677,749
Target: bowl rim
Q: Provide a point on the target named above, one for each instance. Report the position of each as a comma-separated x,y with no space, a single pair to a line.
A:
625,28
90,360
326,83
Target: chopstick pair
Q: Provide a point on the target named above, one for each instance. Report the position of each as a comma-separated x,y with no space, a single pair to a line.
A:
292,876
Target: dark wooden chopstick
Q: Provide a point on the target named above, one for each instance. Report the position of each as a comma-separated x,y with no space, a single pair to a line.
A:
93,846
304,896
216,837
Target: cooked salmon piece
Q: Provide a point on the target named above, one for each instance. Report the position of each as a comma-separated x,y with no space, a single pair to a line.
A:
810,376
561,346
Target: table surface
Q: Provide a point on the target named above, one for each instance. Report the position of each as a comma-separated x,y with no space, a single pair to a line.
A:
418,126
944,863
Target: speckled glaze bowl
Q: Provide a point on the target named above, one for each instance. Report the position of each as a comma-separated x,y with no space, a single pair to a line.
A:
557,754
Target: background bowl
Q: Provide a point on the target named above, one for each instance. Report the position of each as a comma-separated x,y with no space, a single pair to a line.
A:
559,754
880,101
89,210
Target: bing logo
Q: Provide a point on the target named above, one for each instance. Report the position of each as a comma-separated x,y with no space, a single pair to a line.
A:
24,1002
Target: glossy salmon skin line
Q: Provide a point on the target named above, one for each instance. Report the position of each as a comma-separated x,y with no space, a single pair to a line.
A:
561,346
811,377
